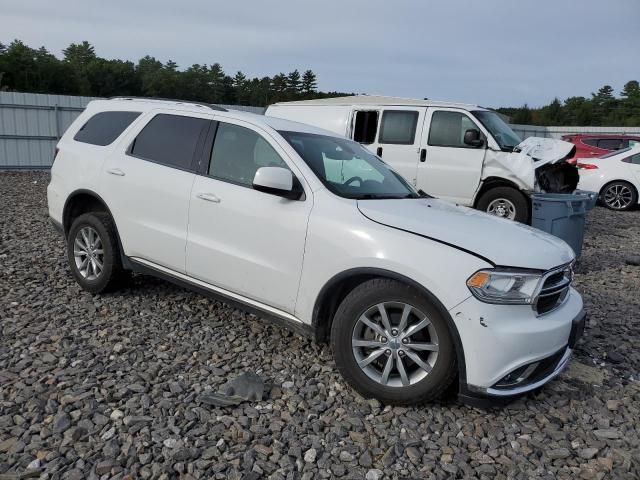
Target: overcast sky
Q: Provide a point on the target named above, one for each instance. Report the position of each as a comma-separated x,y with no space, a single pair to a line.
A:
489,52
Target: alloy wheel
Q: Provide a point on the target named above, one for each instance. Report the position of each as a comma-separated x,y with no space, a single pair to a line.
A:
88,253
501,207
395,344
618,196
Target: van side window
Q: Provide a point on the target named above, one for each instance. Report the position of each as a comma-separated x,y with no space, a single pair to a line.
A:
238,152
103,128
365,126
447,129
169,140
398,127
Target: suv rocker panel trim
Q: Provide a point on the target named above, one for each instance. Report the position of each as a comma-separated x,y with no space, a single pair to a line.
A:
238,301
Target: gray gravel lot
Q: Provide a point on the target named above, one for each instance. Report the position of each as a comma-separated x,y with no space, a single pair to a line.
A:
108,386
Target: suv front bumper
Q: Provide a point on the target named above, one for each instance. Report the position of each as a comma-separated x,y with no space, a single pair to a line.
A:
510,355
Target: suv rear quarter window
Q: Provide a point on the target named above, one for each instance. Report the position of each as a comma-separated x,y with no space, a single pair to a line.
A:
105,127
170,140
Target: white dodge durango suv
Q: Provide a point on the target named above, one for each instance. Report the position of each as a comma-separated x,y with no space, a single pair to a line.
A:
310,229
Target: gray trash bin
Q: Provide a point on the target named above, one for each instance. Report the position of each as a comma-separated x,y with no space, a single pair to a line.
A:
593,198
562,215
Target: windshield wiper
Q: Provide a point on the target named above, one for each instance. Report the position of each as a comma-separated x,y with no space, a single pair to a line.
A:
375,196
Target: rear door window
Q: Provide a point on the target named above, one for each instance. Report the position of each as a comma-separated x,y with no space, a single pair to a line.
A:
592,142
170,140
105,127
398,127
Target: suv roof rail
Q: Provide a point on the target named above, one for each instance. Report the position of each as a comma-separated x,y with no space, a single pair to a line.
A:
190,102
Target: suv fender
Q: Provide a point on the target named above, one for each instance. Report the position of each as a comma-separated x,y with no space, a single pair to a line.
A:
337,288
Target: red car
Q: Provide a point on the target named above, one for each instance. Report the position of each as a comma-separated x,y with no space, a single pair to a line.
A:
590,146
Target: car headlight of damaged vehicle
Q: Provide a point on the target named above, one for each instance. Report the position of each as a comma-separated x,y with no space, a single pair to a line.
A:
514,287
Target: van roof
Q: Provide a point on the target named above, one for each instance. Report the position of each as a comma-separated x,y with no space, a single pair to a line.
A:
381,100
143,104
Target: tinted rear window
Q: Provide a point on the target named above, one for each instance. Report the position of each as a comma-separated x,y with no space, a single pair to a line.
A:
104,127
170,140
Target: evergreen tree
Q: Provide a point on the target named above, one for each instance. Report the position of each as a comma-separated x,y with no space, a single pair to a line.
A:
309,82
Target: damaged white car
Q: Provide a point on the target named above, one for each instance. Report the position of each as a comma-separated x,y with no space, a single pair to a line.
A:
462,153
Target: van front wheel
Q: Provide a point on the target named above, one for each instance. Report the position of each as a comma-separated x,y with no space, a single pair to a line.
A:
505,202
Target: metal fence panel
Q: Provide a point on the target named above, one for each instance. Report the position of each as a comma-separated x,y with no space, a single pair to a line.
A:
31,124
526,131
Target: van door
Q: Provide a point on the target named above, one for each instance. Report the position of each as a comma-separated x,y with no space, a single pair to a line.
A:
448,168
392,133
398,140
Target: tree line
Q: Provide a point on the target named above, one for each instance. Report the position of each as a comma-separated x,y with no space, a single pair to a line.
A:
602,109
81,72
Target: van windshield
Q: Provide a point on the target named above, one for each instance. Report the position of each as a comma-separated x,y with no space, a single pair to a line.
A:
506,138
348,169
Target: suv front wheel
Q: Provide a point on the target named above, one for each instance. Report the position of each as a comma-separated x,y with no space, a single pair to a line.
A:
92,250
391,343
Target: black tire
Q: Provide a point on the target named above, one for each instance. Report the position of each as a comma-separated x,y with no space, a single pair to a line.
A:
112,273
357,302
510,195
625,202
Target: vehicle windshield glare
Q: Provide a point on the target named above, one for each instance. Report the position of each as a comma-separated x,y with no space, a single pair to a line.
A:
348,169
506,138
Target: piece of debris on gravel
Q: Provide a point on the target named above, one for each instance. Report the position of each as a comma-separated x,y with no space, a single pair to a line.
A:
109,386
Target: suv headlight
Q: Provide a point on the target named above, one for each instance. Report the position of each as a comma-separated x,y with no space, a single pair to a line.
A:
513,287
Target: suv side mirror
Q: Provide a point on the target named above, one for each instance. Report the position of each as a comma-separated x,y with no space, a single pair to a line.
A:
277,181
472,138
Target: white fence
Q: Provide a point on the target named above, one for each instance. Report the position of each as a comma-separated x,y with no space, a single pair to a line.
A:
526,131
31,124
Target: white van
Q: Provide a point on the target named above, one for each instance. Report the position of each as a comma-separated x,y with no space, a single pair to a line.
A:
462,153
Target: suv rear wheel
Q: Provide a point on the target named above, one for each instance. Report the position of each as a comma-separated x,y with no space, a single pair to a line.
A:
391,343
505,202
92,250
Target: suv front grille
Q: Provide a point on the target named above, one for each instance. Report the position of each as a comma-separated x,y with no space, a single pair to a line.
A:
555,288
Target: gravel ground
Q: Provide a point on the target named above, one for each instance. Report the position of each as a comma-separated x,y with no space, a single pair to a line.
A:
108,386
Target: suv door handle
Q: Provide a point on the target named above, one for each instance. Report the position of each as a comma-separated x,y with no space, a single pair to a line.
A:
116,171
423,155
209,197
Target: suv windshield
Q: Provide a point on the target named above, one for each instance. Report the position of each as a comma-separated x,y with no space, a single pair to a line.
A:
506,138
348,169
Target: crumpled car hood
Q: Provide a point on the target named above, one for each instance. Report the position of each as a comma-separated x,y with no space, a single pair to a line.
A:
502,242
527,157
545,150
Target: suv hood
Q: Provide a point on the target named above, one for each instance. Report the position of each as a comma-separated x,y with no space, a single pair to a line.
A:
502,242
